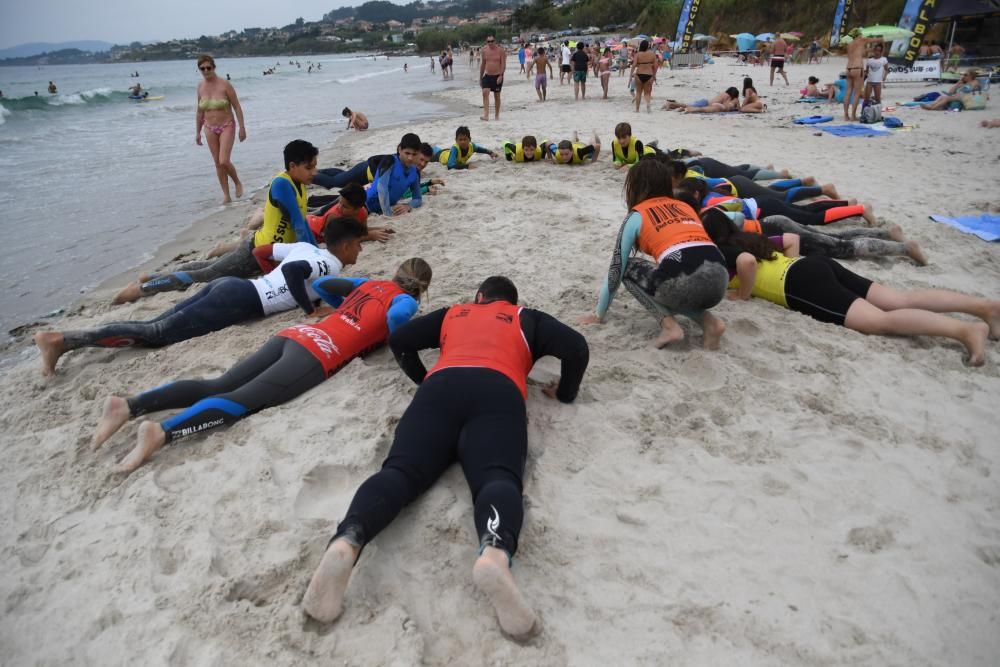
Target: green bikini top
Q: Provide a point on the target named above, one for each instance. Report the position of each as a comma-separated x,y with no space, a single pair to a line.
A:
212,105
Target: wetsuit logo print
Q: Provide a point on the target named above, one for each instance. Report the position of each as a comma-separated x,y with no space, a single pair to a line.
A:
350,310
493,523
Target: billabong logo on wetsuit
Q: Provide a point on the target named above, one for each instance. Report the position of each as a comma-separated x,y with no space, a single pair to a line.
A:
200,427
493,523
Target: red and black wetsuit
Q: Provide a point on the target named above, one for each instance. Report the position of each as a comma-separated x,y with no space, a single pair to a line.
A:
469,408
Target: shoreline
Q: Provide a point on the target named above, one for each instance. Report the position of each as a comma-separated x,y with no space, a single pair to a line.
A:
203,233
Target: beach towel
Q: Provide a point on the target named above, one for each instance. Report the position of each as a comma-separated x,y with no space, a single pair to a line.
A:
811,100
854,131
913,104
812,120
985,226
928,97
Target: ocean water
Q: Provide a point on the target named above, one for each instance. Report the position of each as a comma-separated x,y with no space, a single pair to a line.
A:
93,183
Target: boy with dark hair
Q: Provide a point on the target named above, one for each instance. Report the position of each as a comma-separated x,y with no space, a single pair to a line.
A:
458,156
573,152
524,151
392,176
284,222
626,150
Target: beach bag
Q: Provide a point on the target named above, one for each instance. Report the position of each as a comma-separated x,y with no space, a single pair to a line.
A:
974,101
892,122
870,113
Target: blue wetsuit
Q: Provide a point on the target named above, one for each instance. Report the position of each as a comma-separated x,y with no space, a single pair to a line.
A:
392,180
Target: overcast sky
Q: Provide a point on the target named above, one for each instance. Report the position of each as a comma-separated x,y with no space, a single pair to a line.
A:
124,21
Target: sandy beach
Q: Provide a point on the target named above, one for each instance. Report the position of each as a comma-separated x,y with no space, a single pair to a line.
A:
806,495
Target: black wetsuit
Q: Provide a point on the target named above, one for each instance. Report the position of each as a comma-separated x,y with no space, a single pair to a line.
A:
472,415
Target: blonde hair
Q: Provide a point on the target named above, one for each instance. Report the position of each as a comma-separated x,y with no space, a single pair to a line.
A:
414,277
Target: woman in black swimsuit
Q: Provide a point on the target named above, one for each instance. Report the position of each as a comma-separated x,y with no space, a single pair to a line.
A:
644,71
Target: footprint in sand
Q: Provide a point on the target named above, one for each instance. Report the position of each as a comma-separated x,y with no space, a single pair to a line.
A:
871,538
33,544
325,493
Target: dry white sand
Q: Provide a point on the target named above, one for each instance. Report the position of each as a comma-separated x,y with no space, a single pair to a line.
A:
805,496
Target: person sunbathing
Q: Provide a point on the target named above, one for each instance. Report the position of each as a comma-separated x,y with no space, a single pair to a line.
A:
728,100
751,100
967,85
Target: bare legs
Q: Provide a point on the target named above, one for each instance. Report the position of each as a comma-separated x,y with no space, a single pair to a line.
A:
221,147
887,312
852,90
486,104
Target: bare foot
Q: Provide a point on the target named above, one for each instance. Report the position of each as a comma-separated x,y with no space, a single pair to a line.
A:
896,233
915,253
869,216
113,417
145,277
492,576
852,201
974,340
151,437
714,328
131,292
324,599
830,190
52,346
671,332
784,173
993,320
227,200
846,117
809,180
486,118
239,190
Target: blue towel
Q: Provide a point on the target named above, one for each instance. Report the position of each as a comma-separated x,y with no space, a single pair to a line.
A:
985,226
812,120
811,100
854,131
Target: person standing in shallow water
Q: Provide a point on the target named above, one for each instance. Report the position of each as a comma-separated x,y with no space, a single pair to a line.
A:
217,103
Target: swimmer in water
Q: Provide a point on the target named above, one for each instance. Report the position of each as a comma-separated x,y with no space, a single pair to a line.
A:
826,291
226,301
290,363
469,408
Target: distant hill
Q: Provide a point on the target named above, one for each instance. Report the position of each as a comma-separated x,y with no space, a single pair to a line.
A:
35,48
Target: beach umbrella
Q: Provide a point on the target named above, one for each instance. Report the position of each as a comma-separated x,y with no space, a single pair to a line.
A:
886,32
765,37
790,36
698,37
846,39
744,35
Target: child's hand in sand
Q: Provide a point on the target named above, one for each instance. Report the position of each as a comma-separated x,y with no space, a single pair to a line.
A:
590,318
551,389
437,181
381,234
400,209
733,295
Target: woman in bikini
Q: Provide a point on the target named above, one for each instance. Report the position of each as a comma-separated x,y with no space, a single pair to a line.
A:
751,101
217,102
644,74
604,70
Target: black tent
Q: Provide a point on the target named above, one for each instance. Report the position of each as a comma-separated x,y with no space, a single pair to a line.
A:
952,10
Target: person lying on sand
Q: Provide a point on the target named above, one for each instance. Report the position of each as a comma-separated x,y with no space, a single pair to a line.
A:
687,275
991,123
284,222
820,212
225,301
469,408
573,152
290,363
727,100
848,244
826,291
